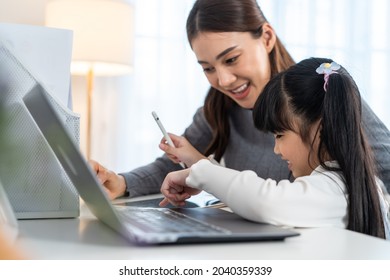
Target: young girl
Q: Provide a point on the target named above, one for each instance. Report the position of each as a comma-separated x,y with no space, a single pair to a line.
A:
314,111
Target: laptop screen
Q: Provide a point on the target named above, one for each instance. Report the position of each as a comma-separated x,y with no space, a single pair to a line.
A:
70,157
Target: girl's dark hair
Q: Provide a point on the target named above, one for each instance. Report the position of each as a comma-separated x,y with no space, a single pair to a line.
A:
298,93
229,16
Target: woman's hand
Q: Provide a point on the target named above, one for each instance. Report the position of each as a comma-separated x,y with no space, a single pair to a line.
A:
175,190
182,152
114,184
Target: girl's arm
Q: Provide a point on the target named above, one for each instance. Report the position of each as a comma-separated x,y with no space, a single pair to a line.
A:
310,201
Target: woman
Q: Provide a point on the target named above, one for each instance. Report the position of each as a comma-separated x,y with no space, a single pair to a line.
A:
239,53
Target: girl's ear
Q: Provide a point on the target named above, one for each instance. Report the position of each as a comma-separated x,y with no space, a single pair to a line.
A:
269,37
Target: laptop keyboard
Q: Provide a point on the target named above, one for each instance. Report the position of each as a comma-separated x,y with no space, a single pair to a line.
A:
164,220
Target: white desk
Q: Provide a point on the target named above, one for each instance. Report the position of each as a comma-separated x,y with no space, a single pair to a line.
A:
87,238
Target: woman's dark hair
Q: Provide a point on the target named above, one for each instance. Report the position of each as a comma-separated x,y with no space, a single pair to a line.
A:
298,94
229,16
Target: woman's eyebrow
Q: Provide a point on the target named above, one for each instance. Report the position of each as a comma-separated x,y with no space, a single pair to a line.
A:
225,52
219,55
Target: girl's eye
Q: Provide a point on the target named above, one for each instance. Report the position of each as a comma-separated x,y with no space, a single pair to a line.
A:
277,136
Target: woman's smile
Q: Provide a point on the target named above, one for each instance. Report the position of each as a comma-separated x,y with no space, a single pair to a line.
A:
241,92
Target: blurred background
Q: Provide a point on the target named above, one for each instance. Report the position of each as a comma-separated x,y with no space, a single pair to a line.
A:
167,79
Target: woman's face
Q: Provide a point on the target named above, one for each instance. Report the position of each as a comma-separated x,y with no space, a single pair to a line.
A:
235,63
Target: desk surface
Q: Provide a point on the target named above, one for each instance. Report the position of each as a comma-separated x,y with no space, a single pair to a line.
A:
87,238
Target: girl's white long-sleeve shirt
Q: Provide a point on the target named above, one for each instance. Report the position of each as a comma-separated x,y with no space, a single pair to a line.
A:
317,200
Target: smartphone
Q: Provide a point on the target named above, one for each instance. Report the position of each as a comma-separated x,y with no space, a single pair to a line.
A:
164,132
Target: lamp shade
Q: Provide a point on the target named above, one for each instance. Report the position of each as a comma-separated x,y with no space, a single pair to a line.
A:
102,34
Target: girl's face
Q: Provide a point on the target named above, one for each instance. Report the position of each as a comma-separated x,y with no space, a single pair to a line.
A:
291,148
235,63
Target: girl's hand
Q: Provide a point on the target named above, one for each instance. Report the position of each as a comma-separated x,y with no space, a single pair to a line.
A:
175,190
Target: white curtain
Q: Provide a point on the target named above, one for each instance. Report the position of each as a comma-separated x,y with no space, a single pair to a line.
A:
167,78
354,33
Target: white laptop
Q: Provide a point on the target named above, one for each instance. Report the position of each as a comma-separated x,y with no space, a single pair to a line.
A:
142,225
